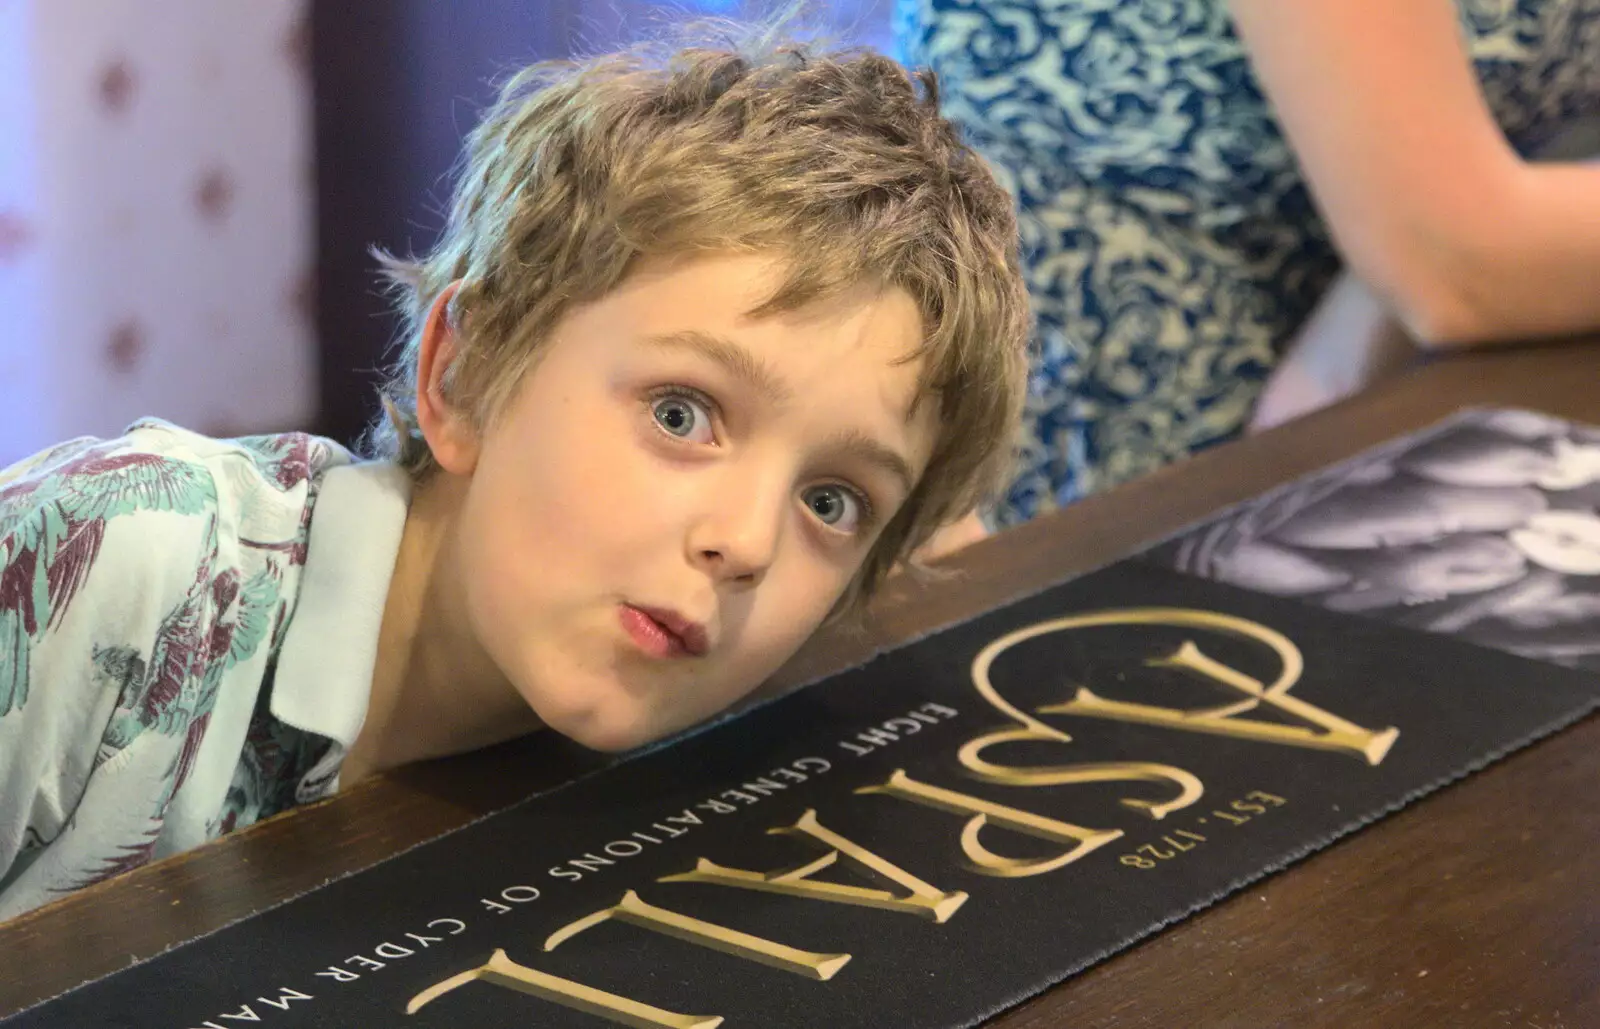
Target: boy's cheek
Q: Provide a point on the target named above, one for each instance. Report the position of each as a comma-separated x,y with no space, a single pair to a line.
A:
787,637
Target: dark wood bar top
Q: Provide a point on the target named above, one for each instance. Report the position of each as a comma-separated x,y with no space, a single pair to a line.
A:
1477,906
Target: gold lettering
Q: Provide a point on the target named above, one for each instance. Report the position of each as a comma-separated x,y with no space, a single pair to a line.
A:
706,934
500,970
922,900
983,812
1338,735
1189,786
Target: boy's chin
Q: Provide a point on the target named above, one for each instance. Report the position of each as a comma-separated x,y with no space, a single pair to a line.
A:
610,742
617,732
614,715
612,731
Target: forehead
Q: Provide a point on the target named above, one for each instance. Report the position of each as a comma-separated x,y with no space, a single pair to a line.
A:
859,345
733,286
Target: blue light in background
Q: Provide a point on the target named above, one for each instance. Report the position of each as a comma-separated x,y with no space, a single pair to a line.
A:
852,22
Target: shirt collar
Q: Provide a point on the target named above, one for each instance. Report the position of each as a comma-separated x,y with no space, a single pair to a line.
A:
325,664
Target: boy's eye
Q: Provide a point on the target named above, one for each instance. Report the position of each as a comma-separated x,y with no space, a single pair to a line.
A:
837,507
683,417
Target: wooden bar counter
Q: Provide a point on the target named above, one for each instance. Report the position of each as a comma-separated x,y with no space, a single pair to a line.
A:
1477,906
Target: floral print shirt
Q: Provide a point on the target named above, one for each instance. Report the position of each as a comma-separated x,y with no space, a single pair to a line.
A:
183,649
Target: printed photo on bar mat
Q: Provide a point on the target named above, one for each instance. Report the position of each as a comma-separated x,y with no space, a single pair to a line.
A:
1486,527
917,843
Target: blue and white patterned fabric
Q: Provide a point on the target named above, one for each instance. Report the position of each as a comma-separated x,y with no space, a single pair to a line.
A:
1170,243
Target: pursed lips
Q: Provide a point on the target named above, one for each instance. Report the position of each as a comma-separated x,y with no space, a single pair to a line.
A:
687,637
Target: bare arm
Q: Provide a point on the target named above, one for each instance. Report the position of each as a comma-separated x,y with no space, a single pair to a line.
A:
953,537
1350,342
1425,197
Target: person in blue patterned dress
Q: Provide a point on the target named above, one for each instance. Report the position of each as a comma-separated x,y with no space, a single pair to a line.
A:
1193,175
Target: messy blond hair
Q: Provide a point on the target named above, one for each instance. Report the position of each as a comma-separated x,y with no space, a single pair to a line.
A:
835,160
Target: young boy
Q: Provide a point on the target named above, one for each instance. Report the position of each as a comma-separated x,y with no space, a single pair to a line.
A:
709,344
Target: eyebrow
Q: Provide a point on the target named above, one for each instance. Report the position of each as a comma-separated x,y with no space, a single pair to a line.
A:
755,373
735,359
858,444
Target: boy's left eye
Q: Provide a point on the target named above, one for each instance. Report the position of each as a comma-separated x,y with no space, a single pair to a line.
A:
838,507
683,417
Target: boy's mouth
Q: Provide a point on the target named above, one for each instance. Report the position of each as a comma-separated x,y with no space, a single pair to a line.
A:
663,633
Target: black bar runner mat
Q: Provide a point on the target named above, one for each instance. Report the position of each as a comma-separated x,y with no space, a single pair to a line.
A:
920,842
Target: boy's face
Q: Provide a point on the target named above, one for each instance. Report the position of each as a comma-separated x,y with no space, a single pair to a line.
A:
677,495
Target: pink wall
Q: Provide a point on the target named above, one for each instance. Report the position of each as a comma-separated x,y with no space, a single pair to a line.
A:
155,217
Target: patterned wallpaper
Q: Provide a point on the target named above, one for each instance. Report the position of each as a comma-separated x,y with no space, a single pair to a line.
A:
155,217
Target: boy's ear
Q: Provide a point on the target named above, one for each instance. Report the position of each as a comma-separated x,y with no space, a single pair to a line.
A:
449,430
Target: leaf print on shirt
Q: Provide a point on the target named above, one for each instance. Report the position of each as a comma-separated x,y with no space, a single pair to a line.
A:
239,620
153,656
258,608
179,646
289,459
56,525
192,739
128,857
215,626
118,670
17,627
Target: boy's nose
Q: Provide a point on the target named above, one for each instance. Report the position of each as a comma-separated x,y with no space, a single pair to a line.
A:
736,538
